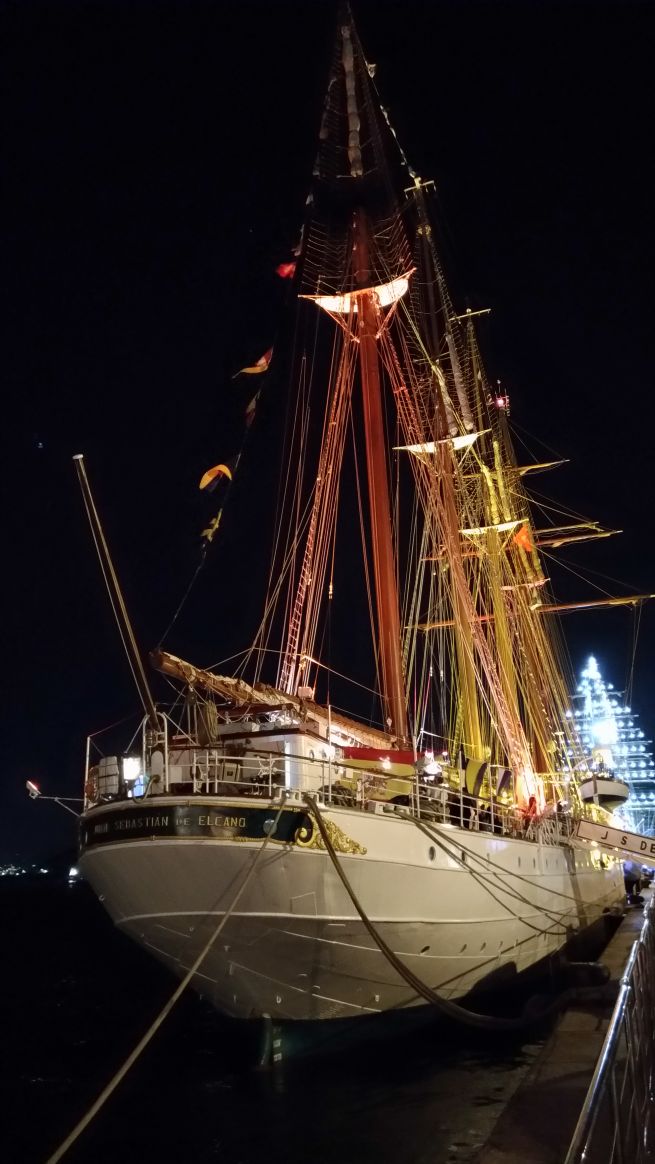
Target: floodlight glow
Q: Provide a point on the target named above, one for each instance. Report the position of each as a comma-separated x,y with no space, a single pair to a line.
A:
604,732
430,765
131,768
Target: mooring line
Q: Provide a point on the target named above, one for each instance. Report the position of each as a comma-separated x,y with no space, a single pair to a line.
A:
447,1007
166,1009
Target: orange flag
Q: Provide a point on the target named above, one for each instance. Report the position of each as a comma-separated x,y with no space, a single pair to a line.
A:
523,539
210,479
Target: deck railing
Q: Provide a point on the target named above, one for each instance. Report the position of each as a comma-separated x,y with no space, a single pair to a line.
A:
190,770
616,1125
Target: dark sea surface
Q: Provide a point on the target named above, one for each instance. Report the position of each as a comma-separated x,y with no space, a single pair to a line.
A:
77,996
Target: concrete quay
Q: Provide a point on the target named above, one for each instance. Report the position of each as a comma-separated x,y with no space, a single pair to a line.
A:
536,1126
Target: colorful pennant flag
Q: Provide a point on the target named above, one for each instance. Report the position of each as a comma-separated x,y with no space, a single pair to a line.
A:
286,270
523,539
297,250
212,477
260,366
208,533
474,775
251,409
504,781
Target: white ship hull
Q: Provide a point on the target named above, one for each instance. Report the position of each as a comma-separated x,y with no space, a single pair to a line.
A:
464,912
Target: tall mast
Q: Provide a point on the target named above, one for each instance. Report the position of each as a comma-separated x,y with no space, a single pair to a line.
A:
384,571
469,711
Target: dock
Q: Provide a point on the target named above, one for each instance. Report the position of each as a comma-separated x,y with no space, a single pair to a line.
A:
538,1122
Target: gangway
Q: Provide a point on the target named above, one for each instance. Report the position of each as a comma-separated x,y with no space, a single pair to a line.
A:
632,845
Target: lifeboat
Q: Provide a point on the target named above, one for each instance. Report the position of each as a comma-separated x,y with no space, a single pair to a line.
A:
605,790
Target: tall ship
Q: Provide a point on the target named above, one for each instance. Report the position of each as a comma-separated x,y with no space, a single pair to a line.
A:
312,862
623,769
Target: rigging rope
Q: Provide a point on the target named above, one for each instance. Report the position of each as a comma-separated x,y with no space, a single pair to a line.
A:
488,862
182,601
166,1009
633,658
114,591
557,919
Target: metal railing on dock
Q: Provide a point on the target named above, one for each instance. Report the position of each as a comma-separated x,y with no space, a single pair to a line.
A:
616,1125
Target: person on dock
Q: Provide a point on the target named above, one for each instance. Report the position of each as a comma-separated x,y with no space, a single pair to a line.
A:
632,882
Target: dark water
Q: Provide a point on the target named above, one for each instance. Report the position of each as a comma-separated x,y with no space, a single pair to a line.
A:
77,995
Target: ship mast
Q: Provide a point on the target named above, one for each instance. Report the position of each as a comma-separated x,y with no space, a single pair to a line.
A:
469,710
384,569
368,327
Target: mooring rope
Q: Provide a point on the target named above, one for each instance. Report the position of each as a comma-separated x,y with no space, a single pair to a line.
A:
451,1010
166,1009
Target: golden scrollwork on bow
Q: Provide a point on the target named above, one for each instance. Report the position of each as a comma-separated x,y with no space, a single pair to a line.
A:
309,837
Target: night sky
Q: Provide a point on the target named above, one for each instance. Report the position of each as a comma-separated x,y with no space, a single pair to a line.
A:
156,159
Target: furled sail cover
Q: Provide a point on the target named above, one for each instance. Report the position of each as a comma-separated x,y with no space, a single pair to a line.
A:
386,294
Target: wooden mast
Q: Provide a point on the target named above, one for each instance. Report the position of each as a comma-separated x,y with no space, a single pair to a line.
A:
384,569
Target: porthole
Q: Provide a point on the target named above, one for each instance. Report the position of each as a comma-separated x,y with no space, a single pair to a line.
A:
432,853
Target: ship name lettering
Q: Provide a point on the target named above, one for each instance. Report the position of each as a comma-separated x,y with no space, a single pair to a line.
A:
101,828
207,821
